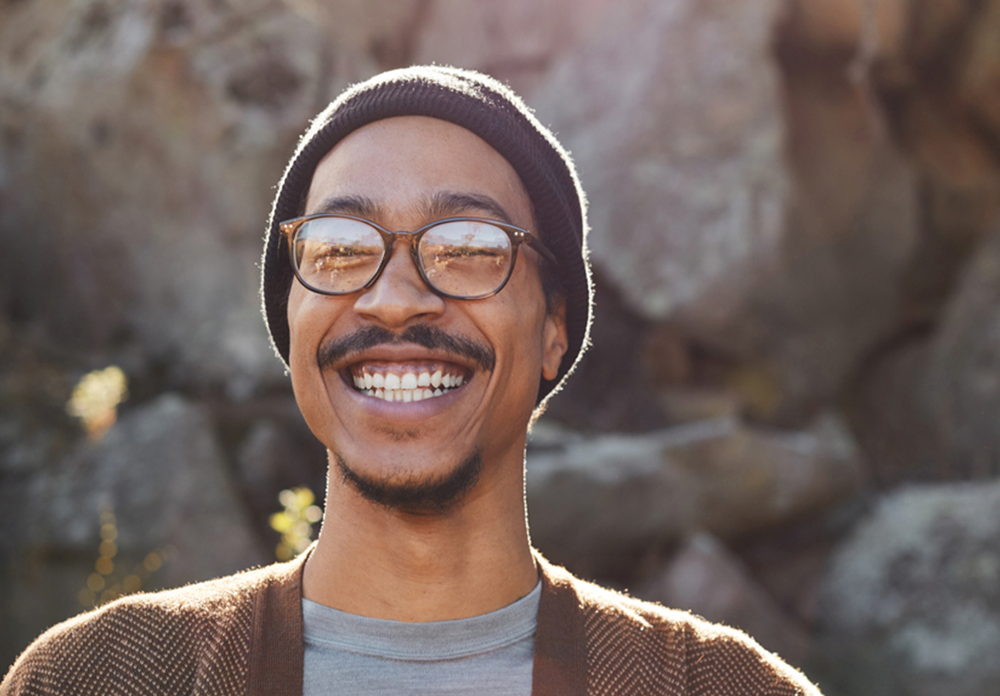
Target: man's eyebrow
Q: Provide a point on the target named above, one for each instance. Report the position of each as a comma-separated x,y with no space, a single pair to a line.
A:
440,205
362,206
447,203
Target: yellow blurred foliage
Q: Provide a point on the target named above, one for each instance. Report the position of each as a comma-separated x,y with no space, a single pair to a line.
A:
111,579
95,400
295,522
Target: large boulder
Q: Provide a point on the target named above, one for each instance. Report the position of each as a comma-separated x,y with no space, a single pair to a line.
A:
515,41
930,409
765,215
960,388
161,473
672,112
141,144
911,601
600,503
706,578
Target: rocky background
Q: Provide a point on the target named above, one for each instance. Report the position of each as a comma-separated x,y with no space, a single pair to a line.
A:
790,417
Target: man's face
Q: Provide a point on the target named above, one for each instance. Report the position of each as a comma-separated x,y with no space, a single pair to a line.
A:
403,173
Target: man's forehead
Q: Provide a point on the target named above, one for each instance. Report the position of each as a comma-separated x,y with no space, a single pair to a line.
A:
422,163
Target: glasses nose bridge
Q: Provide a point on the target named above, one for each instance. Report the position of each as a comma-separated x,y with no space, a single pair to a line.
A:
410,239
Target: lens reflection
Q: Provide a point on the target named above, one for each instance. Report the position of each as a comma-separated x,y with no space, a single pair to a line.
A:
465,258
338,254
461,258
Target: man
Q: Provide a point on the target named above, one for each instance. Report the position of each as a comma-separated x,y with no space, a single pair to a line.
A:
425,280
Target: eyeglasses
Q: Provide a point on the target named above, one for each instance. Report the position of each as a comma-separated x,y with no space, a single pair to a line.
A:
462,258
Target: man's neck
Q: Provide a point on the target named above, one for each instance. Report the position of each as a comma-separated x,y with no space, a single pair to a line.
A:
382,563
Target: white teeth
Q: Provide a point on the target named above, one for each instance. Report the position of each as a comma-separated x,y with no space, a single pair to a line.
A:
409,387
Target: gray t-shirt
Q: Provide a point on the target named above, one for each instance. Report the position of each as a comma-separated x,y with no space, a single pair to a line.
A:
480,656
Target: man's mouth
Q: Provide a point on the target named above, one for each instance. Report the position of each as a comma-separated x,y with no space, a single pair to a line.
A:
406,382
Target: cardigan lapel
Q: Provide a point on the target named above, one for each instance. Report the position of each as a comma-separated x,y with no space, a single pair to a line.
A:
276,642
560,667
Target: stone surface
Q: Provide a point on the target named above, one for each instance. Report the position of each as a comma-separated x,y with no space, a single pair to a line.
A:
979,80
140,144
911,601
515,41
852,236
960,388
598,504
706,578
671,111
928,409
839,26
161,471
771,223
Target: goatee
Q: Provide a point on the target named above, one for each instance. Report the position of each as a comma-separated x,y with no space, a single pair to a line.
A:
436,496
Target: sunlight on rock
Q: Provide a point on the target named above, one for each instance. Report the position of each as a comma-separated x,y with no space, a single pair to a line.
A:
95,399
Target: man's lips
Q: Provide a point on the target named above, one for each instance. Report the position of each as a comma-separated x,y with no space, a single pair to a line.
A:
406,381
421,363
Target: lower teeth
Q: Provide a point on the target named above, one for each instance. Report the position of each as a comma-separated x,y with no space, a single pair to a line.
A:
404,395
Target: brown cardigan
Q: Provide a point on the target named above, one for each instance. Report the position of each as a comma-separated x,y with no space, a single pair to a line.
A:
243,635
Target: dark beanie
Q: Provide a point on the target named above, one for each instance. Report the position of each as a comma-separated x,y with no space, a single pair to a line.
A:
492,111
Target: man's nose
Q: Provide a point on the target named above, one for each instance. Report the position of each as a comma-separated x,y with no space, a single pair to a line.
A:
400,294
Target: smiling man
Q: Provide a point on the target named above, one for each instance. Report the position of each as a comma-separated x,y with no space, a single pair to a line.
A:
425,281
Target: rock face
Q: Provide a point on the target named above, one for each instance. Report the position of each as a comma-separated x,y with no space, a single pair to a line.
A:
161,471
911,601
672,114
145,138
598,504
705,578
961,388
930,410
793,207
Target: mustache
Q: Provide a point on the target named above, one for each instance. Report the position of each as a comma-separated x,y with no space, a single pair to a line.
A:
430,337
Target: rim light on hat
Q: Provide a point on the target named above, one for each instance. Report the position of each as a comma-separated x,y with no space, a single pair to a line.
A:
484,106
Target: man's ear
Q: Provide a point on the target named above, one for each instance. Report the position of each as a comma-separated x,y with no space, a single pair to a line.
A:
555,342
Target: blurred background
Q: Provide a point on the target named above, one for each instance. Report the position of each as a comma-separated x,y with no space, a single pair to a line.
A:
789,420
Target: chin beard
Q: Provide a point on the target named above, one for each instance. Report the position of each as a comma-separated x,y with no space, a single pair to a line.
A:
415,497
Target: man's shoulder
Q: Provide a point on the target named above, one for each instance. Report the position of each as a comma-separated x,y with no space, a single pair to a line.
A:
627,635
168,633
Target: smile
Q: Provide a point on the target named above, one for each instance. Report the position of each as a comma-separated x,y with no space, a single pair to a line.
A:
407,382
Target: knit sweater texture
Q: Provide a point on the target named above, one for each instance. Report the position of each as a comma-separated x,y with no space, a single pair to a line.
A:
242,634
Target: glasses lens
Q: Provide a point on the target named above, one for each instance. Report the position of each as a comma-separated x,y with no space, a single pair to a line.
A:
465,258
337,254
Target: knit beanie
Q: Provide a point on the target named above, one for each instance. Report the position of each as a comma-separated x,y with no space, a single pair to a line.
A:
492,111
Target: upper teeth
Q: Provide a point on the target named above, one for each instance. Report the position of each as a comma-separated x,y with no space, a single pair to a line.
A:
410,386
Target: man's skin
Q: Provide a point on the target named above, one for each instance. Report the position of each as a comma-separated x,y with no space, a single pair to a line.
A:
449,556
